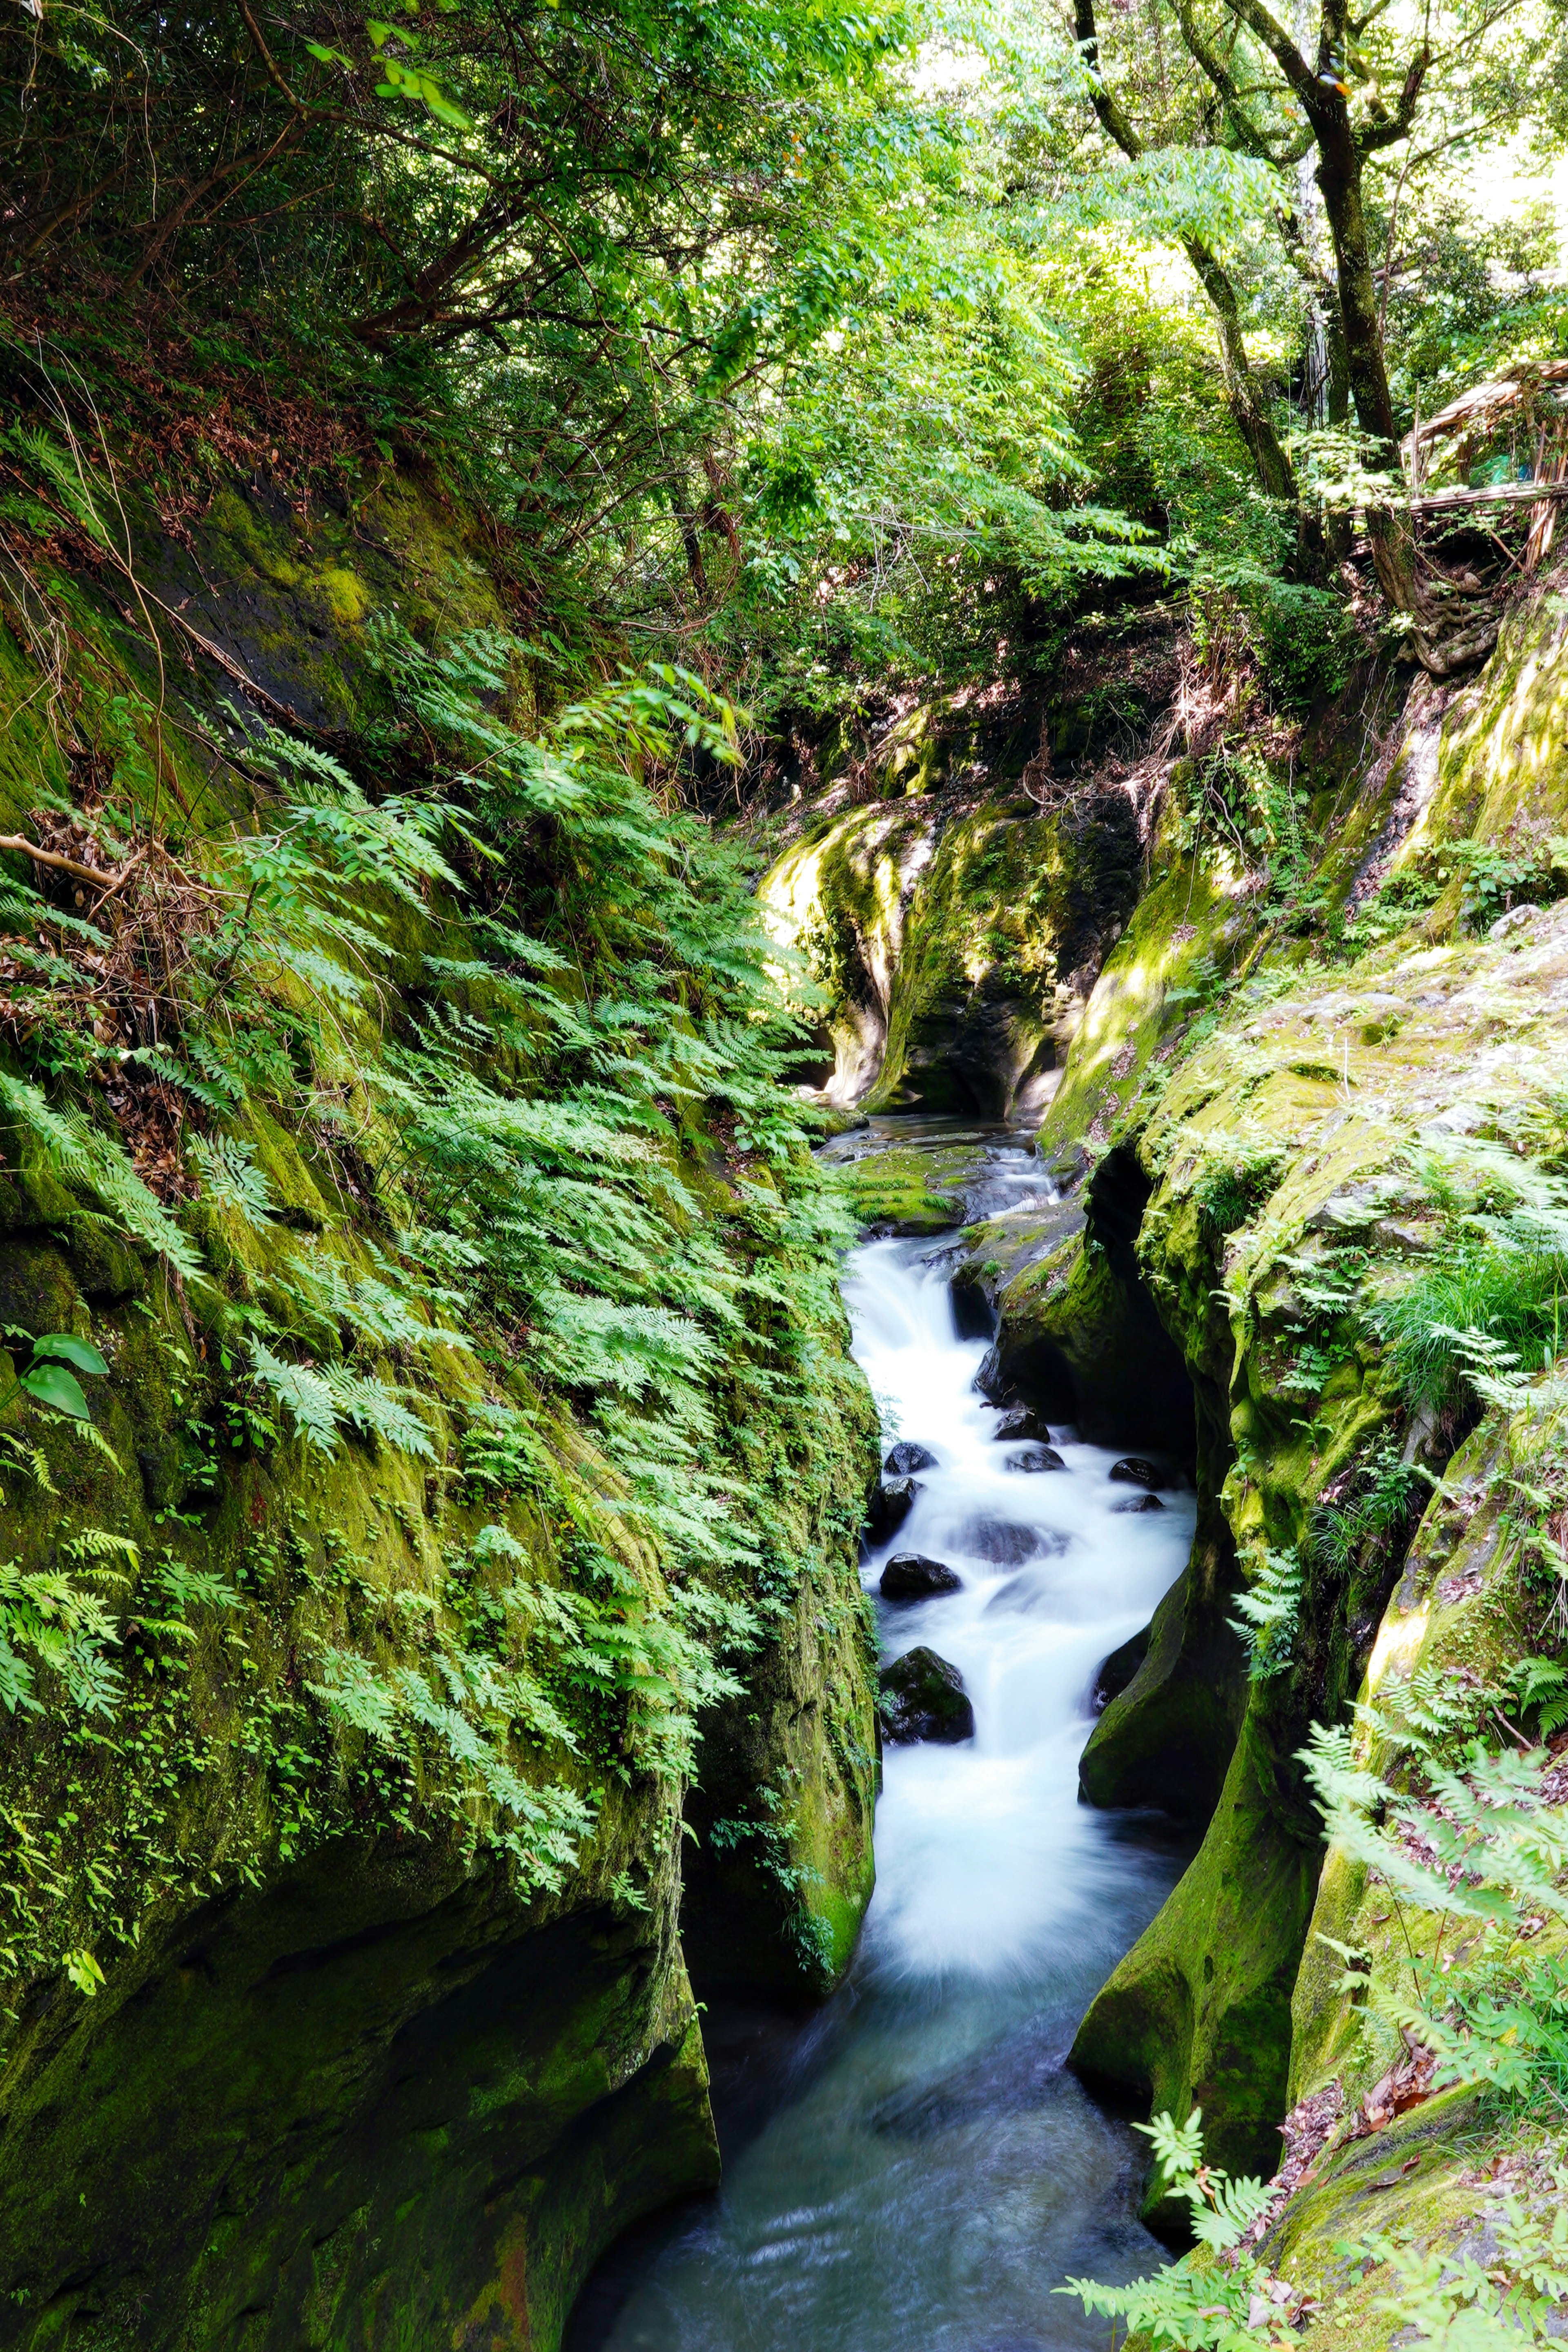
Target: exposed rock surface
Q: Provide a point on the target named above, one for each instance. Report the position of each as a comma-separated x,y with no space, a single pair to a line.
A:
893,1500
911,1576
907,1457
921,1697
1034,1458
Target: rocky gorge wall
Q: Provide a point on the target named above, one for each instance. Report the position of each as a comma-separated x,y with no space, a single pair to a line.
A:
383,1761
1295,1095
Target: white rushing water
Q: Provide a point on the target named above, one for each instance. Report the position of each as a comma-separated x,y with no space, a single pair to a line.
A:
984,1858
930,2172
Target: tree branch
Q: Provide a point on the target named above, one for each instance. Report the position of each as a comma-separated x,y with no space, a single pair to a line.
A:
1287,55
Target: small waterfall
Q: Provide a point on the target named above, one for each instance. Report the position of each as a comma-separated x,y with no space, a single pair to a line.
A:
985,1862
929,2172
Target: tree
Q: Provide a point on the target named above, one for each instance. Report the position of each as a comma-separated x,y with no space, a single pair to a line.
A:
1279,99
1248,404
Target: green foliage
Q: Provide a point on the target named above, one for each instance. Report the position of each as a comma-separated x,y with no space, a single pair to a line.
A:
572,1253
1489,1301
1471,1854
1379,1505
1198,2307
1493,878
1236,1177
1270,1608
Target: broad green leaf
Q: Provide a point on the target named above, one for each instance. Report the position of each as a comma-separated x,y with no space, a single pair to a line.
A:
66,1350
59,1390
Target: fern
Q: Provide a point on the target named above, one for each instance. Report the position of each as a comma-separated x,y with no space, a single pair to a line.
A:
230,1177
1269,1609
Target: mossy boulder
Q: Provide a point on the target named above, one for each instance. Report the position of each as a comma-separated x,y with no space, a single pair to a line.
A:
921,1697
1198,2013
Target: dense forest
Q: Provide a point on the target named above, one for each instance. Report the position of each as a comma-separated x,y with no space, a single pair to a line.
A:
634,641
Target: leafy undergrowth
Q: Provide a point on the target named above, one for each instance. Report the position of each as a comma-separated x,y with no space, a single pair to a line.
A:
420,1088
1465,1843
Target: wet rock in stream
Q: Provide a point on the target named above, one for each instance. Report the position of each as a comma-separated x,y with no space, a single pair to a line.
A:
921,1697
1018,1421
1035,1458
907,1457
1133,1470
1140,1503
911,1576
890,1505
1004,1543
1118,1670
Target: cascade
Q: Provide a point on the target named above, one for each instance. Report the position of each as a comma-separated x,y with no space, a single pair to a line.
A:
929,2172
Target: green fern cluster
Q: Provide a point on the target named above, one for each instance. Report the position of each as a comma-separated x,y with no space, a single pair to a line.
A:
515,1010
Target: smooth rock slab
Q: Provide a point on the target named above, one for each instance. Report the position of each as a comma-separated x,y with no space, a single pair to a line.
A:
907,1457
891,1505
1035,1458
911,1576
920,1696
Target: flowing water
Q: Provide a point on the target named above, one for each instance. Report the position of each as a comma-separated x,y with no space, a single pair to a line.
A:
930,2172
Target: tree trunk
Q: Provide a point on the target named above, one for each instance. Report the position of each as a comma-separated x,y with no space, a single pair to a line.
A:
1243,393
1253,423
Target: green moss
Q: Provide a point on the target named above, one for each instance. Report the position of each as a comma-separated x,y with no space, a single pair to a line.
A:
904,1190
1198,2013
301,2046
953,947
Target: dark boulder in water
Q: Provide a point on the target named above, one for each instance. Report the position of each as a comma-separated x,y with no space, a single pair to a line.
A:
910,1576
1035,1458
1133,1470
891,1505
1006,1544
920,1696
974,1316
907,1456
1141,1503
1017,1420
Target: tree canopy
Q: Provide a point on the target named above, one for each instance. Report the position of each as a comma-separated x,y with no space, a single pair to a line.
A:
816,340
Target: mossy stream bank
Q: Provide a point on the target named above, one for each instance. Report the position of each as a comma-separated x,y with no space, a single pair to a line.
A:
443,1649
1302,1091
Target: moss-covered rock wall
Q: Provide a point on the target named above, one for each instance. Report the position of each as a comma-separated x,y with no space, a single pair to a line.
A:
349,1783
1287,1069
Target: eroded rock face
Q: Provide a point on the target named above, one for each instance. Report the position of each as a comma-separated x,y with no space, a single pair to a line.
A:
921,1697
921,915
1266,1166
307,2103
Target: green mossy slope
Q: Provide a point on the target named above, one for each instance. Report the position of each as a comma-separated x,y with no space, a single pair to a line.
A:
346,2001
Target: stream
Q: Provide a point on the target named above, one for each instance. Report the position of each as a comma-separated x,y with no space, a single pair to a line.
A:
926,2172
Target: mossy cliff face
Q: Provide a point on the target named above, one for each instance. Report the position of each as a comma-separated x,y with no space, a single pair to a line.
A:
1258,1111
956,942
1437,2173
346,2001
